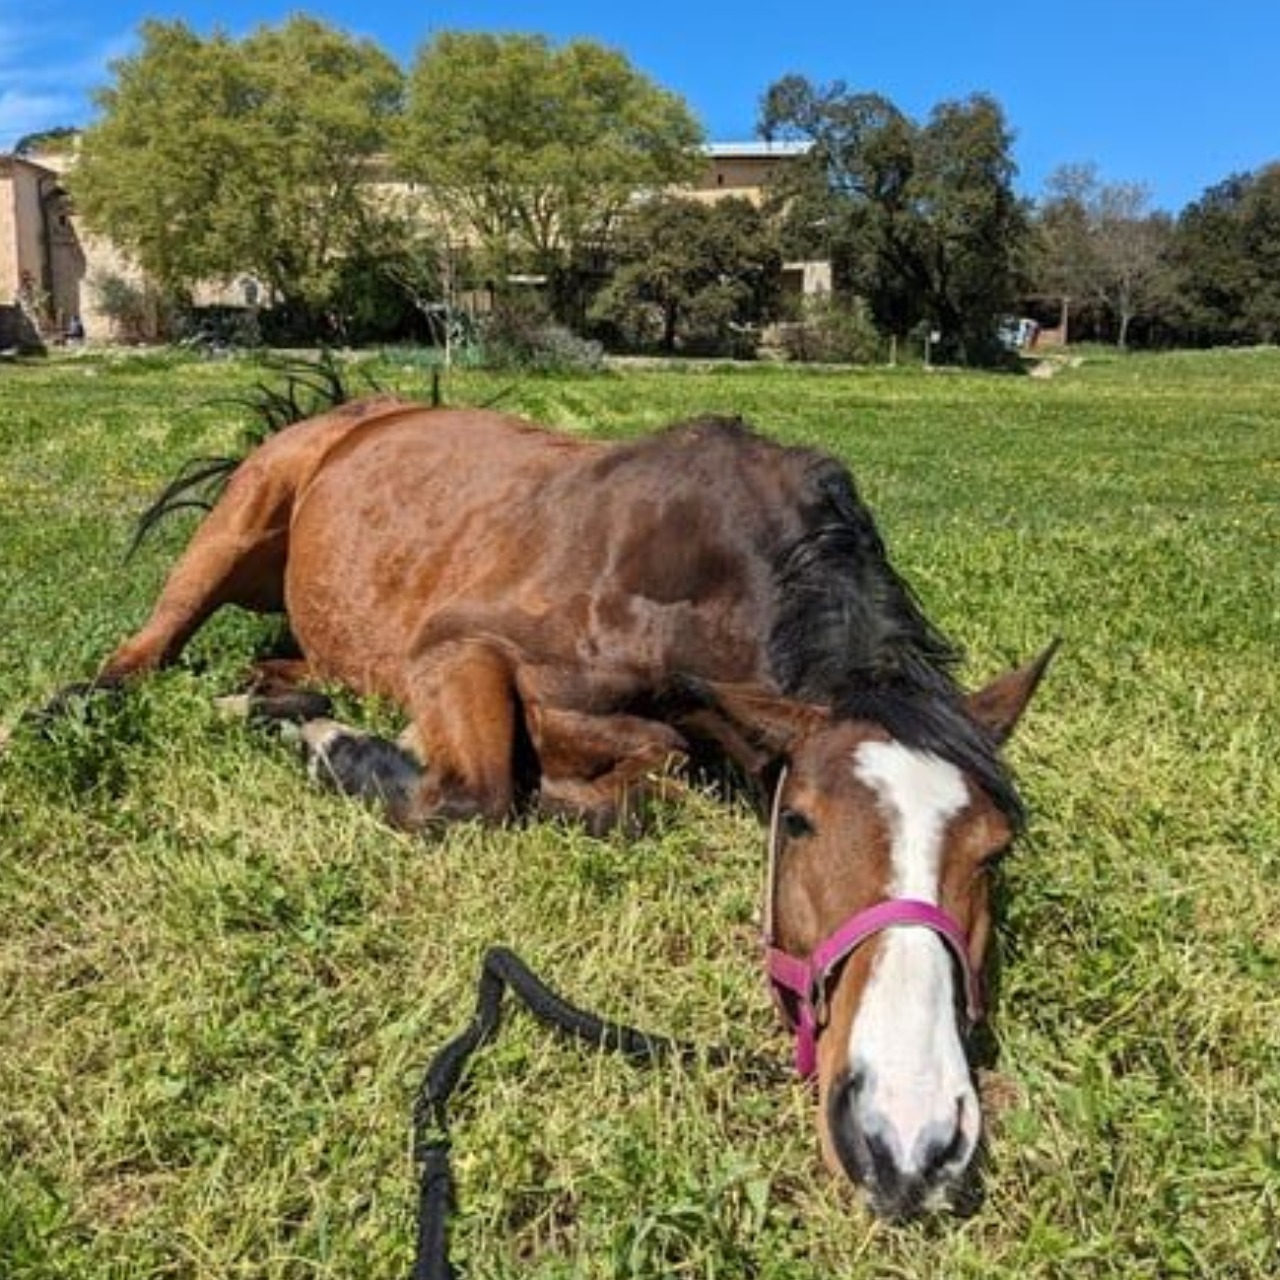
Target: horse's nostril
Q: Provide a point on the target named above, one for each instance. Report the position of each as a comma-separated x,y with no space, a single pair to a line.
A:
884,1175
940,1153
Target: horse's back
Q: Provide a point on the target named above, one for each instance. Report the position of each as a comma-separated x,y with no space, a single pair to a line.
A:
607,565
419,507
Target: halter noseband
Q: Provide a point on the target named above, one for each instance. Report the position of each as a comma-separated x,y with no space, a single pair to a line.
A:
800,985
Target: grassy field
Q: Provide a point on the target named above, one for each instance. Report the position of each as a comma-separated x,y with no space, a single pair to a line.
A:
218,985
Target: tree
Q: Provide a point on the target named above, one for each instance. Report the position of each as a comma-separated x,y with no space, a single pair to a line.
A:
692,273
1099,242
1065,259
1211,265
534,151
1260,219
1226,255
46,141
920,220
972,228
215,158
1131,245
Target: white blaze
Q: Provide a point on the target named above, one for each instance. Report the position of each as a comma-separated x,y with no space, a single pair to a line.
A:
904,1043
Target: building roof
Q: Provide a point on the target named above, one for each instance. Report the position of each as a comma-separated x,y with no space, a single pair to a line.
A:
756,150
9,160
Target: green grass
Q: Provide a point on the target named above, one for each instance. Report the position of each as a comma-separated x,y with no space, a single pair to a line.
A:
218,985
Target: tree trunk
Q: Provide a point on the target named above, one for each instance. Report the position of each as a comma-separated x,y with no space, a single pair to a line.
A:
1122,340
1124,306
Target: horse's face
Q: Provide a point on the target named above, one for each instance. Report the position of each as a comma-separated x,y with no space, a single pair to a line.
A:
863,820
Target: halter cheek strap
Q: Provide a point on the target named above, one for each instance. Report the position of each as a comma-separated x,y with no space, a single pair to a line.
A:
800,984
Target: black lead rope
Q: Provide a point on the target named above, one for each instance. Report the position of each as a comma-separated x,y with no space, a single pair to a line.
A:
502,969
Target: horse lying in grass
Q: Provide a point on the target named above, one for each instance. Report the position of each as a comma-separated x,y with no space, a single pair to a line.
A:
559,618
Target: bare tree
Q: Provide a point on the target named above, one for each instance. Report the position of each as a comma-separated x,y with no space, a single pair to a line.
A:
1131,241
1100,242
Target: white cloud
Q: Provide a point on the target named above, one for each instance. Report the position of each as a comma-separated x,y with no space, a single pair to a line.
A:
49,76
22,113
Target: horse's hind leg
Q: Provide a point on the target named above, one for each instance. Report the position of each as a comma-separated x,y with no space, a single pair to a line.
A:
277,691
237,556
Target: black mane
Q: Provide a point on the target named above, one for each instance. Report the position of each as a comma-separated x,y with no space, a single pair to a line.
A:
849,633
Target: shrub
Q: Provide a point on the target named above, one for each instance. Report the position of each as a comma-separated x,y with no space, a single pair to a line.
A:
214,329
520,335
832,331
137,313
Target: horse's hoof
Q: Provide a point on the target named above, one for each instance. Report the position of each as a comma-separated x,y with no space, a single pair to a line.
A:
297,706
69,698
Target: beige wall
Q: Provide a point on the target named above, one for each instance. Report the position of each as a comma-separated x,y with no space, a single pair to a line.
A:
744,169
21,233
42,258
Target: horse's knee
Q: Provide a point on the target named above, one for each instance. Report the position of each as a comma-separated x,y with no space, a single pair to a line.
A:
463,726
582,803
616,803
600,811
603,771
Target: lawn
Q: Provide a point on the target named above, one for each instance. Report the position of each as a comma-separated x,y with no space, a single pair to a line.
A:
218,985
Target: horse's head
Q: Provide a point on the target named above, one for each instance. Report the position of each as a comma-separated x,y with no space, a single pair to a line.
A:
877,919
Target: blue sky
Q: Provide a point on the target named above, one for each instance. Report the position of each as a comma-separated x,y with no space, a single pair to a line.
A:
1176,94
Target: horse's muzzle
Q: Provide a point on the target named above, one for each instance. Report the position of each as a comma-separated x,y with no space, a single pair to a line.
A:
935,1174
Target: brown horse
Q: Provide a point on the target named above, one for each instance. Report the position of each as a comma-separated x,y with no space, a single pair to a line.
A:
560,617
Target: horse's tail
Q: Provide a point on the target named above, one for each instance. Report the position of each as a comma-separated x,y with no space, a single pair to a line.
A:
310,387
197,486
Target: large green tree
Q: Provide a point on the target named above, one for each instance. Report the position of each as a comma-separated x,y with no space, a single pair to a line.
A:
215,157
530,151
920,220
1226,256
700,275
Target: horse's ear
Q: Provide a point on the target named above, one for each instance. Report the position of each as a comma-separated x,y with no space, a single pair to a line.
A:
999,706
752,725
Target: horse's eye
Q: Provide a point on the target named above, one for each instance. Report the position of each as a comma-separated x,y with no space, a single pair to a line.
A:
795,825
992,860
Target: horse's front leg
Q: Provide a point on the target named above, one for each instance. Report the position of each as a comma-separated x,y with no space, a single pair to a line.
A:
598,769
462,733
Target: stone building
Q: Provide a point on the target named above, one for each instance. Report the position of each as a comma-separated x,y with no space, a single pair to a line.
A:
52,270
41,261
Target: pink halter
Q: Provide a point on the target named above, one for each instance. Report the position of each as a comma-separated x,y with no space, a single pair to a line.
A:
800,985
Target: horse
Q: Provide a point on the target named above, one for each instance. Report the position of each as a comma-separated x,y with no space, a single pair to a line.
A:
562,619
